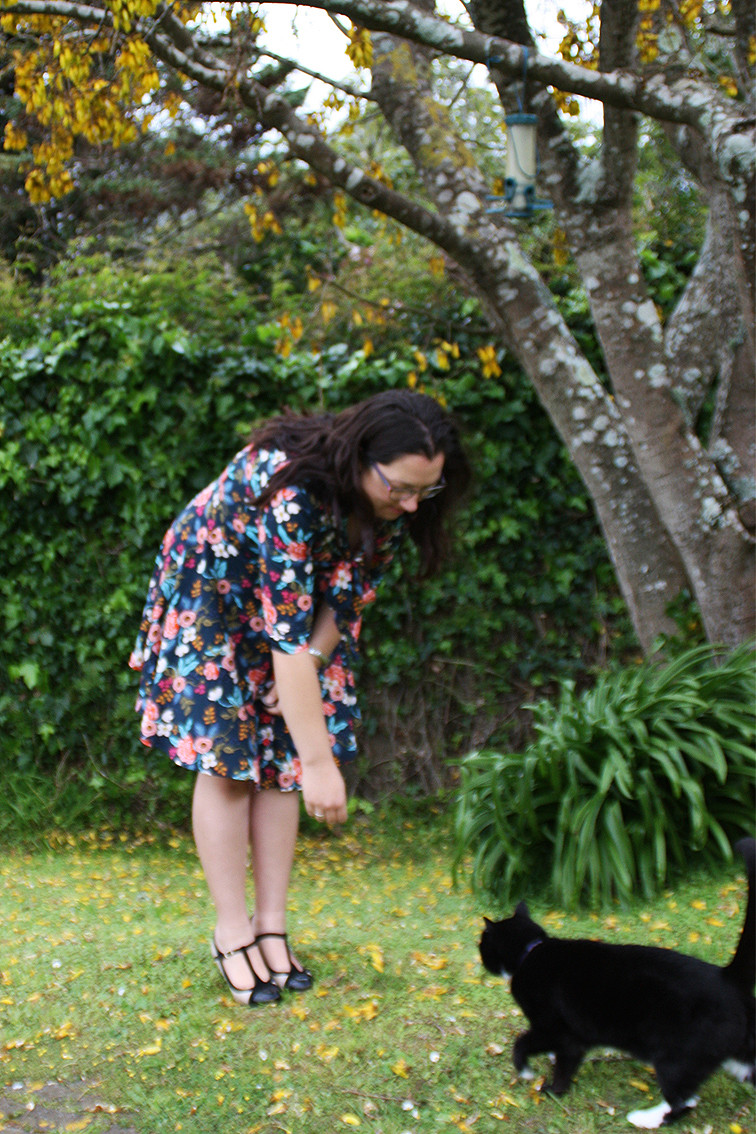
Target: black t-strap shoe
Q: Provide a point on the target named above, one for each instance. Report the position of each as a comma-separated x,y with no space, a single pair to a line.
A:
295,978
262,992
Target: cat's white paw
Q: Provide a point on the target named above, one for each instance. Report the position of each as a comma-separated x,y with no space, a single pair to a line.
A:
527,1073
743,1072
653,1118
649,1119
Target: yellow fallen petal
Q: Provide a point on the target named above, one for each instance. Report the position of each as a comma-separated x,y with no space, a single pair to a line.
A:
365,1011
153,1048
429,960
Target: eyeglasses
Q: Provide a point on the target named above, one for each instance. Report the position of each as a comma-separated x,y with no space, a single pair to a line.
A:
400,494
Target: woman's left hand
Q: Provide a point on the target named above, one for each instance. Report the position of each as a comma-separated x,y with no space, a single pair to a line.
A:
324,791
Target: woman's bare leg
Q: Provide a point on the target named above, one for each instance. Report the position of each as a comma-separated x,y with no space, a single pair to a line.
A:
273,826
220,815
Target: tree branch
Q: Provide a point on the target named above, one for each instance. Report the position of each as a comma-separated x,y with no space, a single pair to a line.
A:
303,139
652,96
337,85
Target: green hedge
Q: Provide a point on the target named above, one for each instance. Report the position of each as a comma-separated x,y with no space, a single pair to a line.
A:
112,417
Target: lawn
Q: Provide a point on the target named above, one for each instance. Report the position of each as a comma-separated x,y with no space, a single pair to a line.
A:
115,1019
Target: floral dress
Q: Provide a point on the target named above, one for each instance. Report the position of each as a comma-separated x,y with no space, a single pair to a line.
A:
232,581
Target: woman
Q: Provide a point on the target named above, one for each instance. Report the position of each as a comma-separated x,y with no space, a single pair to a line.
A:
248,634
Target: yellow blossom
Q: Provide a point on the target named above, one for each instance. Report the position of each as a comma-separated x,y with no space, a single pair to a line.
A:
328,311
566,103
560,247
360,47
261,224
15,139
690,10
268,170
489,362
339,210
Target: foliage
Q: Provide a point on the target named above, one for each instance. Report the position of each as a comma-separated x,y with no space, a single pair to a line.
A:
199,95
623,782
113,415
115,1018
667,200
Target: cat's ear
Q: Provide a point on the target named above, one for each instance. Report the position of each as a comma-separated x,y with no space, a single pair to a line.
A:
489,923
522,910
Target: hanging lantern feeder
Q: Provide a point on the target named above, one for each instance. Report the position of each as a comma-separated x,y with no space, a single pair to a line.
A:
521,164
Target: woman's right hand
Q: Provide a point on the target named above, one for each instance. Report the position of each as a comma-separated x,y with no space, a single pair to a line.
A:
324,791
270,700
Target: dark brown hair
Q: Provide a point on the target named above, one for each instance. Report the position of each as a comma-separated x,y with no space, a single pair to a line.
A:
330,452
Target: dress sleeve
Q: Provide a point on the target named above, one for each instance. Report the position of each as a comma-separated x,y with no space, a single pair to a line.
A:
285,530
351,585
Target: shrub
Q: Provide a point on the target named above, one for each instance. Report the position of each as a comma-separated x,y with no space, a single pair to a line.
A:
652,764
113,415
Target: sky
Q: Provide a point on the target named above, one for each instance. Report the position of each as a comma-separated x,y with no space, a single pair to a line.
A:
311,37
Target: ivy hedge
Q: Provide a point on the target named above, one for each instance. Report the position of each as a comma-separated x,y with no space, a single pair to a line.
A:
113,415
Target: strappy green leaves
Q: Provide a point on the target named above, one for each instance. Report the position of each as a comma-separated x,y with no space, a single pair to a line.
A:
622,782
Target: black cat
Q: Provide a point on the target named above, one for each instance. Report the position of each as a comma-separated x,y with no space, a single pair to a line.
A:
682,1015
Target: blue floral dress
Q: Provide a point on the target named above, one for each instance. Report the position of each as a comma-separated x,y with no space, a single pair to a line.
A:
232,581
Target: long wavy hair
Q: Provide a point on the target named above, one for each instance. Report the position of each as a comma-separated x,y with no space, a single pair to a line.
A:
330,452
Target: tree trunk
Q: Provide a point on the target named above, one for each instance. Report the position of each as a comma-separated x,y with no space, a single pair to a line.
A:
684,486
523,314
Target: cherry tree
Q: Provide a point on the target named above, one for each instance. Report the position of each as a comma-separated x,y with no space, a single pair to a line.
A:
665,443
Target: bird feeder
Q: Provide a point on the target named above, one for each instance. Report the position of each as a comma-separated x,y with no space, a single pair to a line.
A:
521,166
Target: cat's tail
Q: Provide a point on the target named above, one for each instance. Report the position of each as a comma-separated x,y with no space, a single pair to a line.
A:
742,968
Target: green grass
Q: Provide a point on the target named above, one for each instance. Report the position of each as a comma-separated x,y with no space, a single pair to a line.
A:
114,1018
